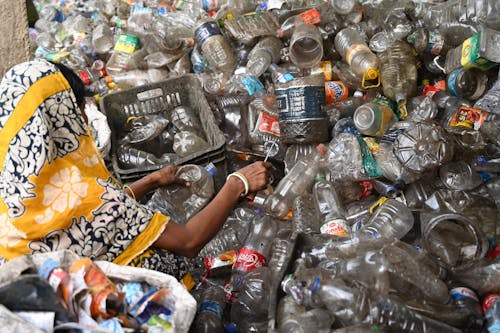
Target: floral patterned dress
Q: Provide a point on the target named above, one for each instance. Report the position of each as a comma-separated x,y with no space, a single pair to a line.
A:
55,190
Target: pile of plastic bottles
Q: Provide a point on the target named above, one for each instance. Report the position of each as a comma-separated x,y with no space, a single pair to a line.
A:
385,117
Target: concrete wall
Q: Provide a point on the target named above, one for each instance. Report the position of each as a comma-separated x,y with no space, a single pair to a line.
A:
14,47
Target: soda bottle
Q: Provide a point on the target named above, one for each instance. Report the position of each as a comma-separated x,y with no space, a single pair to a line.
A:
329,208
210,311
264,53
298,180
355,52
218,52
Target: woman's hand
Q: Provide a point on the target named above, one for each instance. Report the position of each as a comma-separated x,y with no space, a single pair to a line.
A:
166,176
257,175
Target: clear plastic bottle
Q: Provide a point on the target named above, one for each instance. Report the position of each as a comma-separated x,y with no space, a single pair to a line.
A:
392,219
428,40
467,83
299,179
125,46
216,49
398,73
279,256
306,46
358,305
373,119
314,320
264,53
137,77
356,53
187,143
468,54
304,214
263,123
296,152
329,209
210,311
103,39
287,310
185,118
460,176
131,158
323,14
491,100
421,108
249,312
256,250
491,309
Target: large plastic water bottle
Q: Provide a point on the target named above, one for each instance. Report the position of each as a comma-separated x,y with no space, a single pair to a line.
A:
210,310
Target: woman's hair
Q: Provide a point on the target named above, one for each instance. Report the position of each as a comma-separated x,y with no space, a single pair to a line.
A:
74,81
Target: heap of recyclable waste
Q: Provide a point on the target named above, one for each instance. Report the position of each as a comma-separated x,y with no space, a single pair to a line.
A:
381,120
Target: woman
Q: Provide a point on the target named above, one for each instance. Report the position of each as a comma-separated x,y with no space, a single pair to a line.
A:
56,192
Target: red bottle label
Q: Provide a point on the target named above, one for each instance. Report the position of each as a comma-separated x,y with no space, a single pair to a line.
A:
489,301
269,124
311,16
249,260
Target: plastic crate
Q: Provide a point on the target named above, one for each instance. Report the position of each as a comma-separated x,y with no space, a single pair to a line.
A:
162,97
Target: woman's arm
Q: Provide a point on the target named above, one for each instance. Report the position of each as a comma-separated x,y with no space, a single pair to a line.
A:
151,182
187,240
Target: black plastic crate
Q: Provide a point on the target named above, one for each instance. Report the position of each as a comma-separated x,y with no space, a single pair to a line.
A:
162,97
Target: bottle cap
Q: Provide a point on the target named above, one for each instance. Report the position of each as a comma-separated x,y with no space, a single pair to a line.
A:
321,148
371,73
108,79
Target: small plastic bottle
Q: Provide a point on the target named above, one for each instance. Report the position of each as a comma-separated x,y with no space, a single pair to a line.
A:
391,219
137,77
210,311
323,14
264,53
216,49
356,53
460,176
125,46
299,179
398,74
329,208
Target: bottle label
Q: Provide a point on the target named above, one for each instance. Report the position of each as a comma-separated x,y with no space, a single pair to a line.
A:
311,16
211,307
205,31
335,91
127,43
249,260
85,77
470,54
489,301
285,77
353,50
436,43
297,103
335,227
269,124
326,67
56,57
252,85
469,117
462,292
366,188
391,135
452,81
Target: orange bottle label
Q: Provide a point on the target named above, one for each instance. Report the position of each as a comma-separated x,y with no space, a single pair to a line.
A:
311,16
335,91
469,118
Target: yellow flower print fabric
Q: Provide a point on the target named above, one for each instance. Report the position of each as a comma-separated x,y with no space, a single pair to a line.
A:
55,190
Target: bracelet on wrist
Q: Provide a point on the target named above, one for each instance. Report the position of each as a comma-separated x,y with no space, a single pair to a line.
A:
243,179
